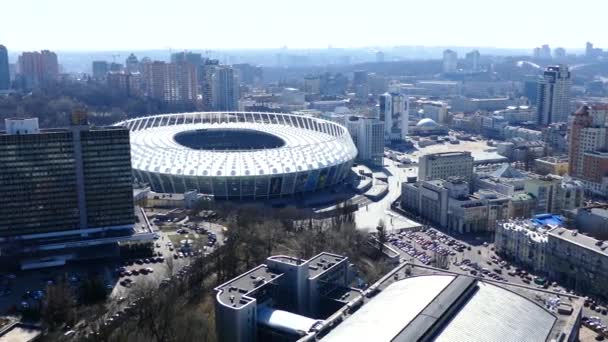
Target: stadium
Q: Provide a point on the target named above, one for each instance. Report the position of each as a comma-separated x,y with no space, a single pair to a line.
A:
235,155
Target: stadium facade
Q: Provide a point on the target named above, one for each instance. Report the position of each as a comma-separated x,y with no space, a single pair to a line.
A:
234,155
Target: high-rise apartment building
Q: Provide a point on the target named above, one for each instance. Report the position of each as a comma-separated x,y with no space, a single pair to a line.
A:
132,64
446,165
472,60
393,110
37,68
553,99
588,147
100,69
5,76
368,136
208,73
170,82
63,189
450,61
225,89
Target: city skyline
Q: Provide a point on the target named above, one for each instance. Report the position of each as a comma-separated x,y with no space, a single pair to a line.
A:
272,25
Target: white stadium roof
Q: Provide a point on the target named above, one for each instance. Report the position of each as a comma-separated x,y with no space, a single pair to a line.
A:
310,144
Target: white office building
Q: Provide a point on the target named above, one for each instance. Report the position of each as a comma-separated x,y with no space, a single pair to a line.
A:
445,165
368,136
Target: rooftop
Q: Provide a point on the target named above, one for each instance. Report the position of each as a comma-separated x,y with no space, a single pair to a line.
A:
414,302
323,262
235,292
585,241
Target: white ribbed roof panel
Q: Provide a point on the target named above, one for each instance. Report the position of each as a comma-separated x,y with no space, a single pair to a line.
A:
310,144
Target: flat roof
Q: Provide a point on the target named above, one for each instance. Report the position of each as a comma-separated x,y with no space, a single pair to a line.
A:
233,292
323,262
580,239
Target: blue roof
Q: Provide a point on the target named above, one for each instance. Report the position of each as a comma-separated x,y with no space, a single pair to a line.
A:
548,219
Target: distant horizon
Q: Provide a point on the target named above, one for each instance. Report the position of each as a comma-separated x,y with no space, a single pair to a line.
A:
135,25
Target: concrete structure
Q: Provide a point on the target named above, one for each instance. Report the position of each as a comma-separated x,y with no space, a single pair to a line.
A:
588,147
578,261
518,114
239,154
174,83
426,127
225,91
368,136
414,303
5,76
285,298
445,165
450,61
505,179
592,220
523,242
555,165
393,110
472,60
100,69
554,95
132,64
63,189
37,68
450,205
555,194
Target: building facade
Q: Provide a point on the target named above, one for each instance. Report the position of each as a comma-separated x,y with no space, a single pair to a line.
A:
588,147
173,83
63,188
445,165
225,89
296,290
555,194
38,68
393,110
5,76
368,136
450,61
554,95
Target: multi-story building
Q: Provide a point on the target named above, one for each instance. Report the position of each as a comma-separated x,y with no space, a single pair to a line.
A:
472,60
100,69
518,114
63,189
38,68
5,76
578,261
450,61
592,220
449,204
445,165
368,136
555,194
555,165
393,110
225,89
588,147
554,95
124,83
283,299
132,64
523,242
170,82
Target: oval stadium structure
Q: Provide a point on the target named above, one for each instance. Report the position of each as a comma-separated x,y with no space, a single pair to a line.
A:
235,155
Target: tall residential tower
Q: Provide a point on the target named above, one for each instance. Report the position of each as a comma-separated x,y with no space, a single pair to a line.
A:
554,95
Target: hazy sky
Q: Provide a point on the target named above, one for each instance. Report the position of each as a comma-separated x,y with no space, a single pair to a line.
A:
223,24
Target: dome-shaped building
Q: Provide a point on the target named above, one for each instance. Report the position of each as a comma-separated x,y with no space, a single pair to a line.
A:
428,126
